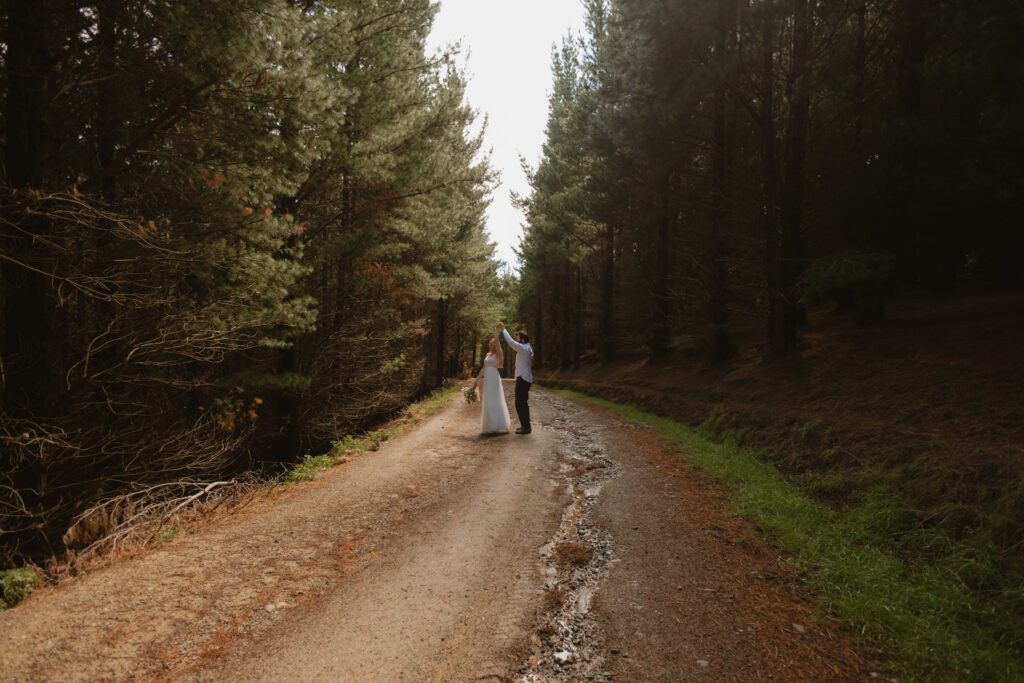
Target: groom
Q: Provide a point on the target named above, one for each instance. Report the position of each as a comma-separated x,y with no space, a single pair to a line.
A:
524,376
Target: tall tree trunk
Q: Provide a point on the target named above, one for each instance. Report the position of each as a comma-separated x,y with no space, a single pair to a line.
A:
791,247
31,73
31,350
661,320
441,341
859,70
606,326
565,325
769,187
106,117
718,285
908,239
29,353
577,347
871,301
537,338
455,357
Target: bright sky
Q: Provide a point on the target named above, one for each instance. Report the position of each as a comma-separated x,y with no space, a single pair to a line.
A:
506,49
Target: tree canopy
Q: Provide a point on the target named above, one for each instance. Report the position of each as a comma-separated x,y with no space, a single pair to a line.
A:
714,166
231,232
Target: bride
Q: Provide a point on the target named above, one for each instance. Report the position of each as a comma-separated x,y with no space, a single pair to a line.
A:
494,418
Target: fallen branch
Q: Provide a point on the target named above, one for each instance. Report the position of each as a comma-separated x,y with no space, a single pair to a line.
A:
138,517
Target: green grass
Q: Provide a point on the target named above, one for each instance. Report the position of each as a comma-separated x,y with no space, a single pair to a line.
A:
167,534
918,595
430,405
15,585
312,465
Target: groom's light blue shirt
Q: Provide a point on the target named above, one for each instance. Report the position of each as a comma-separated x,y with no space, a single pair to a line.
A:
524,357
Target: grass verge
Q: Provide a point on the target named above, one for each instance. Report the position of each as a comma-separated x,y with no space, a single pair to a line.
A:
919,610
312,465
167,534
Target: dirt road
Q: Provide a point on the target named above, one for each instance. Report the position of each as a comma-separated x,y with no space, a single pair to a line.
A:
585,551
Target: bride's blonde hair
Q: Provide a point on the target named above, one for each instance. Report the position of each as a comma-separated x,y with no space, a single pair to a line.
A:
495,347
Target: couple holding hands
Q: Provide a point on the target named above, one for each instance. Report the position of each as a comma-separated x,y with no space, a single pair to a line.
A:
494,417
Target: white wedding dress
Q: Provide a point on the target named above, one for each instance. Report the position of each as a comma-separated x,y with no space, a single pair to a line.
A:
494,418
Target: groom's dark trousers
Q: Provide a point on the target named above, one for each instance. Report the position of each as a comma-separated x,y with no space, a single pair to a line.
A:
523,403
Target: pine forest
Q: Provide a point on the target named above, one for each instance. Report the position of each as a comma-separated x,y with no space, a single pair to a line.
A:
765,259
209,207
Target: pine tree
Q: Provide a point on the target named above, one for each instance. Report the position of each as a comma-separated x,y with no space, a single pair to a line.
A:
226,227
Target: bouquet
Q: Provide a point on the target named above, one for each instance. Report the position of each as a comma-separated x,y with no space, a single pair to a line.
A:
469,393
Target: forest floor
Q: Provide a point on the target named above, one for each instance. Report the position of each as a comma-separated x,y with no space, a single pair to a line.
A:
909,435
929,403
589,550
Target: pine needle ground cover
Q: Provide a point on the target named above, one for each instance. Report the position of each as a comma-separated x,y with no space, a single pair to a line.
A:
910,595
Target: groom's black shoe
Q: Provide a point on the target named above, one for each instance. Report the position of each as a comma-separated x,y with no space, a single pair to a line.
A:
523,431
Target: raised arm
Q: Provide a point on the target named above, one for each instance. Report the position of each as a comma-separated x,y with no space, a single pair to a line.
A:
512,342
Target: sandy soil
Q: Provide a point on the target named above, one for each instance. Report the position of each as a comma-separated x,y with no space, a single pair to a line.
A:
585,551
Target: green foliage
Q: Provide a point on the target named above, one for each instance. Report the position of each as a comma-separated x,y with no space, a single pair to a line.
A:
267,224
168,533
429,406
847,273
15,585
312,465
701,155
910,596
254,381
